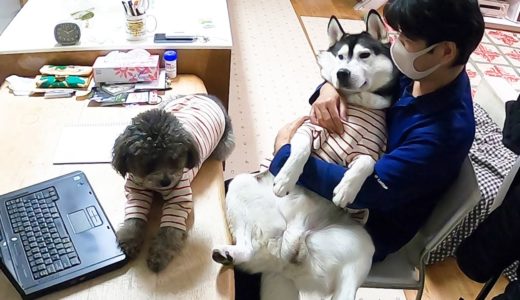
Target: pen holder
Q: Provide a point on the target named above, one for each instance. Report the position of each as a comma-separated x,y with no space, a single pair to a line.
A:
137,27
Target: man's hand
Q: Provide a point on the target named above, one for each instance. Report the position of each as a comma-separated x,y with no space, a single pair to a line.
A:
328,109
285,134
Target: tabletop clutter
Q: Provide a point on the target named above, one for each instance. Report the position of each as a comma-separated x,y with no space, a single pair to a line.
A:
119,78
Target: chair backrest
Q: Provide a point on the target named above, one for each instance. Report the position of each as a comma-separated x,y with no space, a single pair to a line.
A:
451,209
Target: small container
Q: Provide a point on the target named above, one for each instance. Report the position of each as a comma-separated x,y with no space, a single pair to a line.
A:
170,63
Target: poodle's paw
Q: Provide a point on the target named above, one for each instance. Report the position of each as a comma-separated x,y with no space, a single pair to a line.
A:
222,255
284,183
158,259
168,242
345,193
130,237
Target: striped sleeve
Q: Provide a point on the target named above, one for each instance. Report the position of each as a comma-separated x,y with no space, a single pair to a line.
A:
318,134
178,203
138,200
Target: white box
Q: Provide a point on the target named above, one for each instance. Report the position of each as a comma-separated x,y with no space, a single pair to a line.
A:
138,69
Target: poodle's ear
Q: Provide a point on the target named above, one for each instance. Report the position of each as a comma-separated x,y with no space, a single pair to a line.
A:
193,156
120,154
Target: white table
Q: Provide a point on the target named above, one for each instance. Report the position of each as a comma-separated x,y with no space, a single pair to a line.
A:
30,128
28,42
32,30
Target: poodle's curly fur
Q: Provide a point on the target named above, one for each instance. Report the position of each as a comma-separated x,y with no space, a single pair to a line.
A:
157,148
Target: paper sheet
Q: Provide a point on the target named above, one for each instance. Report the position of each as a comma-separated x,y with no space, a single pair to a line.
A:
87,143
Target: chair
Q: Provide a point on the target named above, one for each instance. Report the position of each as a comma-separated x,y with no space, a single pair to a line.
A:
405,269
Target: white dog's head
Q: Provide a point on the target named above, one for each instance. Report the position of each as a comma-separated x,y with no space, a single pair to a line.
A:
358,62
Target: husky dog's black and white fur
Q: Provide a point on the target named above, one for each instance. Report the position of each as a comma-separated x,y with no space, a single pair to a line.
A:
360,67
302,242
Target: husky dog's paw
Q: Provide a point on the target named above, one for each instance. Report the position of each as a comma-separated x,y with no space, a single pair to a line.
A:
222,256
284,183
293,248
130,237
326,61
232,254
345,193
168,242
274,246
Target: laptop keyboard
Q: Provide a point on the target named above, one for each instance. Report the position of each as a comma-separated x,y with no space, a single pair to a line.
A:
47,245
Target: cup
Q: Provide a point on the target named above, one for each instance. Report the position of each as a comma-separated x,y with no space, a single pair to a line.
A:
137,27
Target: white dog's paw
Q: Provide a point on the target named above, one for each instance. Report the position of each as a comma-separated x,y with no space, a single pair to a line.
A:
274,246
293,246
345,193
284,183
223,255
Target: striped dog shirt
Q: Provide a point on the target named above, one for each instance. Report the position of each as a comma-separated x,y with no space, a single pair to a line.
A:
364,134
205,121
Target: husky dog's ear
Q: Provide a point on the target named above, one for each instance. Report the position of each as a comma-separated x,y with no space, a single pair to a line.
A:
375,26
335,30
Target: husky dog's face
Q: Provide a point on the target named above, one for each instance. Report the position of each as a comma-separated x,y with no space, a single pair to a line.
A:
357,62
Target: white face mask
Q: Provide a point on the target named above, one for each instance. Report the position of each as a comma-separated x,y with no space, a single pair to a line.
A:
405,60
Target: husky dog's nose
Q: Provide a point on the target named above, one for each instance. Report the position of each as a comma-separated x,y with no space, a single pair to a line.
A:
165,182
343,74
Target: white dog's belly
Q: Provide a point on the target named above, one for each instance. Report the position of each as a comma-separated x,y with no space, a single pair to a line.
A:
331,241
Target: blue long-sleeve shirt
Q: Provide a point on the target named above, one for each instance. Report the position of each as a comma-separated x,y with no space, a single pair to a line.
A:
428,139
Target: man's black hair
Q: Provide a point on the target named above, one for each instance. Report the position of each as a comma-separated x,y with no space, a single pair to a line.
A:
458,21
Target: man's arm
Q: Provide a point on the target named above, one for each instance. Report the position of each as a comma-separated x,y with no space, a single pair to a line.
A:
399,175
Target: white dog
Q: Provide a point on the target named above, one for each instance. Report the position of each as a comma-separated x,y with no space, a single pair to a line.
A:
299,241
332,257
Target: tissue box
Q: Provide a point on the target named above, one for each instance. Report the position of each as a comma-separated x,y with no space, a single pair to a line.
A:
133,66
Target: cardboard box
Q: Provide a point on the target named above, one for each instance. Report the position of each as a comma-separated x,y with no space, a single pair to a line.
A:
127,67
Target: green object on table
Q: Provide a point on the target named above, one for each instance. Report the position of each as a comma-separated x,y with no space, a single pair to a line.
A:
71,81
83,14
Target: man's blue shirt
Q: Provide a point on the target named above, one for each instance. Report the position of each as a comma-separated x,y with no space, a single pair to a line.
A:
428,139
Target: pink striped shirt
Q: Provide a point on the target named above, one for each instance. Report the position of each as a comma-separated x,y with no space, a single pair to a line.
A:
205,121
364,134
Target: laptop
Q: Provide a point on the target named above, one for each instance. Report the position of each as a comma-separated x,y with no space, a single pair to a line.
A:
55,234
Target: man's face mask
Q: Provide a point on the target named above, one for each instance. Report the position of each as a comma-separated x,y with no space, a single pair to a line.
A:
405,60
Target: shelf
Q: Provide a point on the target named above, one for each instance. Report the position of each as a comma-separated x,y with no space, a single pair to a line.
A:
501,24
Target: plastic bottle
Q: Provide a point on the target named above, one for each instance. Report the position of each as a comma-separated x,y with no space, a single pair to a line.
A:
170,63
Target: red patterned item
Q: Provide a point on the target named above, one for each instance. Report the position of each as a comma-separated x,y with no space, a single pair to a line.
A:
133,66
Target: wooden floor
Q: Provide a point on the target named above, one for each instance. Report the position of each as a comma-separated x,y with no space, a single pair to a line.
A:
444,281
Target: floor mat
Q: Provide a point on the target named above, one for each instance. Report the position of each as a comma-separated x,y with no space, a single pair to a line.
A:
273,73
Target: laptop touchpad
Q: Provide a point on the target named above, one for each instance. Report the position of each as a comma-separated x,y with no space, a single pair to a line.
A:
79,221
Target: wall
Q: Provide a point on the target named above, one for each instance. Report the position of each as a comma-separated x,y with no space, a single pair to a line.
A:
8,9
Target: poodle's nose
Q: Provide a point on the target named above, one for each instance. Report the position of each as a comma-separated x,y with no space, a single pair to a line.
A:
165,182
343,75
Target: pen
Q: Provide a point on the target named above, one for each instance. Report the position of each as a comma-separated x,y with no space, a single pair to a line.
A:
124,6
152,89
190,38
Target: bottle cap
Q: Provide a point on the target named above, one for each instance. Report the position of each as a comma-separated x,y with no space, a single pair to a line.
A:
170,55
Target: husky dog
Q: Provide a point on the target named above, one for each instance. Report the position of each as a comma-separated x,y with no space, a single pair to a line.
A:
302,242
359,66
